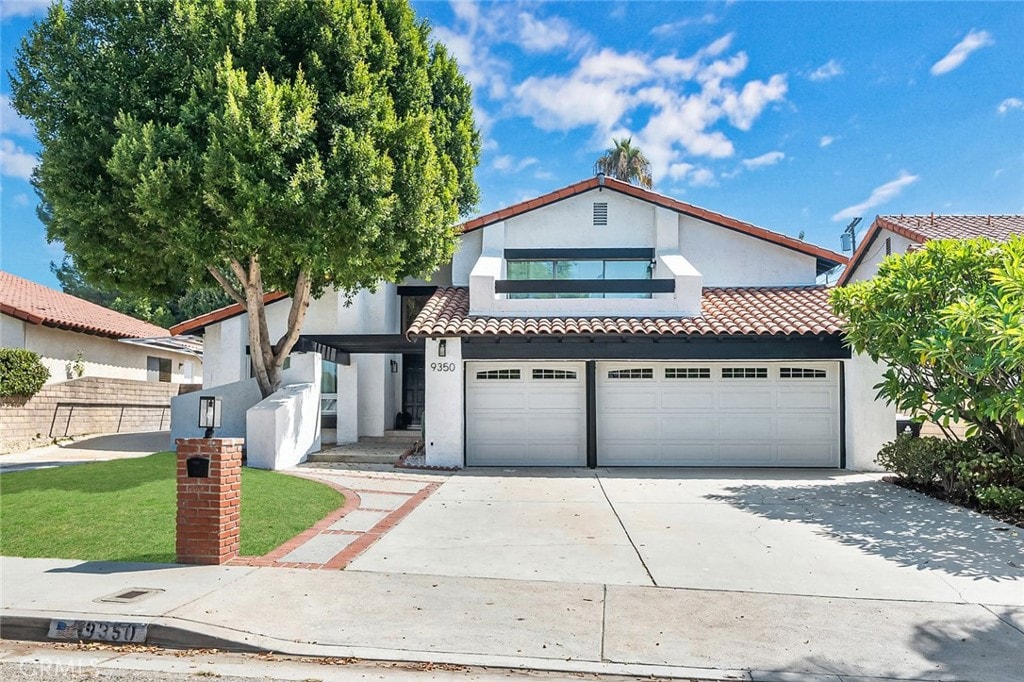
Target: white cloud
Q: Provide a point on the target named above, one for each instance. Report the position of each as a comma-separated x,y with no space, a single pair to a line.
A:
702,177
538,34
670,105
15,162
768,159
507,162
879,195
1010,103
975,40
673,27
10,122
23,8
826,140
20,199
745,107
829,69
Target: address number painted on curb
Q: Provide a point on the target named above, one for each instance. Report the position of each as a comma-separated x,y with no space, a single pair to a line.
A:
98,630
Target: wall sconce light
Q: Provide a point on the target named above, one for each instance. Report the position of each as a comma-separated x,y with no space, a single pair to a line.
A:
442,348
209,414
394,366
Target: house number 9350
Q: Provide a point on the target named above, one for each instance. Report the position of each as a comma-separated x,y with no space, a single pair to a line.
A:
442,367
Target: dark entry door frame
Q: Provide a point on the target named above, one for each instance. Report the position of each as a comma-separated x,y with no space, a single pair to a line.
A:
414,385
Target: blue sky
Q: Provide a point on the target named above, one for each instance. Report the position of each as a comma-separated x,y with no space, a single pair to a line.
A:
794,116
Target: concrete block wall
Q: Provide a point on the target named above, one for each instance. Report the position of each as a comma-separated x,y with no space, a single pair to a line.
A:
45,416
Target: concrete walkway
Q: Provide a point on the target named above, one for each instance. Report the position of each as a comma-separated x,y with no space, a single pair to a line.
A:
571,627
88,449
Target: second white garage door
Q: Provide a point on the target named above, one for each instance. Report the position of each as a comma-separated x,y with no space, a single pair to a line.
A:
526,414
718,414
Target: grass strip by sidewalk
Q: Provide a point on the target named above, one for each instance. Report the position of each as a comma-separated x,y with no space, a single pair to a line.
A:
124,510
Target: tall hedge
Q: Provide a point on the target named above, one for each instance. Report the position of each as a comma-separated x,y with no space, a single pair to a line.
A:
21,372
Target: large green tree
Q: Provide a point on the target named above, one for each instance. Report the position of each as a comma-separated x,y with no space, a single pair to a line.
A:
948,323
279,145
625,162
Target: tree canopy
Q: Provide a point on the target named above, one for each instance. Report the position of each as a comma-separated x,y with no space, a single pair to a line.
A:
295,146
948,322
625,162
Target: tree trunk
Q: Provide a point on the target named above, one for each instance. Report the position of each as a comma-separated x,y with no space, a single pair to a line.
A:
267,359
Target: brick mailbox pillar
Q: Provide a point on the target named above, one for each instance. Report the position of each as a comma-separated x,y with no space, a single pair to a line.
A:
209,499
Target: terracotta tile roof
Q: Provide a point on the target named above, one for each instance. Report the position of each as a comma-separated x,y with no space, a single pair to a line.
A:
922,228
37,304
220,314
753,311
660,200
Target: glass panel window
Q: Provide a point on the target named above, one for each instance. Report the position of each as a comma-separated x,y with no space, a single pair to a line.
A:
328,405
329,377
627,269
578,270
637,373
744,372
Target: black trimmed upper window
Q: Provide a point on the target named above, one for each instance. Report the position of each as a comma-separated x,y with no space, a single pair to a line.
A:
687,372
554,374
744,372
580,269
498,374
802,373
632,373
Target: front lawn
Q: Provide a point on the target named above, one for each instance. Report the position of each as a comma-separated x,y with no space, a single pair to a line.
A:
124,510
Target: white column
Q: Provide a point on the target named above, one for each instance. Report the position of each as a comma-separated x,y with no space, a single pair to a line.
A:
870,423
371,387
348,403
445,404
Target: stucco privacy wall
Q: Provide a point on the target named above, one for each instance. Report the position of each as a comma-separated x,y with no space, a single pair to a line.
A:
443,413
284,427
237,398
870,423
101,356
48,414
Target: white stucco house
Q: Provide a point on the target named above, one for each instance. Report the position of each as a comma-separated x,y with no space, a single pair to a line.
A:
76,338
600,324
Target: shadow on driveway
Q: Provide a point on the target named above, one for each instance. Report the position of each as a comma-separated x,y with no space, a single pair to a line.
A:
899,525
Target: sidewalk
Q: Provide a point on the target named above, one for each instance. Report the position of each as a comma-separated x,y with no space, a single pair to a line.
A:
575,628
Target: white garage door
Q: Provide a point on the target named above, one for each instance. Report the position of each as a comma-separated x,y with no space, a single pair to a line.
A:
718,414
525,414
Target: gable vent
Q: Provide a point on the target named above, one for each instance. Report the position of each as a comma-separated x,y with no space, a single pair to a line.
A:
600,213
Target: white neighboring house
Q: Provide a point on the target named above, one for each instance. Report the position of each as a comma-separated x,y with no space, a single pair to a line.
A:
76,338
898,234
600,324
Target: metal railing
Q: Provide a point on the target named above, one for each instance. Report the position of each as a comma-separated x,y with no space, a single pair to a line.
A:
120,419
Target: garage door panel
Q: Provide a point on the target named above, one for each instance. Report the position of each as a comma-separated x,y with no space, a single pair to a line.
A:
632,398
719,414
811,399
687,427
535,419
745,425
746,399
680,399
808,453
809,426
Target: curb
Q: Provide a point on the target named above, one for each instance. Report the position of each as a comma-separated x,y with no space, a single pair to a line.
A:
171,633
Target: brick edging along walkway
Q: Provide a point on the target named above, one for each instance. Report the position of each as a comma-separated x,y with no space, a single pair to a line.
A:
364,540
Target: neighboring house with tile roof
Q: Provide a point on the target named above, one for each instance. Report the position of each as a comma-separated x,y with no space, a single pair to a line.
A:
601,324
891,234
70,333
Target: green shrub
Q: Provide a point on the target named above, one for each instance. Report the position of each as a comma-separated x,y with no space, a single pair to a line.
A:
21,372
932,461
1002,497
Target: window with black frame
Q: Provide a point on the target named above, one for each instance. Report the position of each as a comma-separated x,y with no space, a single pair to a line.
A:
579,269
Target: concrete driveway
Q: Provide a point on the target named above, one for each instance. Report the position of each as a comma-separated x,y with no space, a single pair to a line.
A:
797,532
88,449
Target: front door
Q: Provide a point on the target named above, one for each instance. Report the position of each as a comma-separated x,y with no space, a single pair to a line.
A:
413,387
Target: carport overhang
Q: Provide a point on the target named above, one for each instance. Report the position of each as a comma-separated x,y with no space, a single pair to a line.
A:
340,347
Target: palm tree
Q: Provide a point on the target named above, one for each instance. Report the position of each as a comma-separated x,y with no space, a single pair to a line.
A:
625,162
